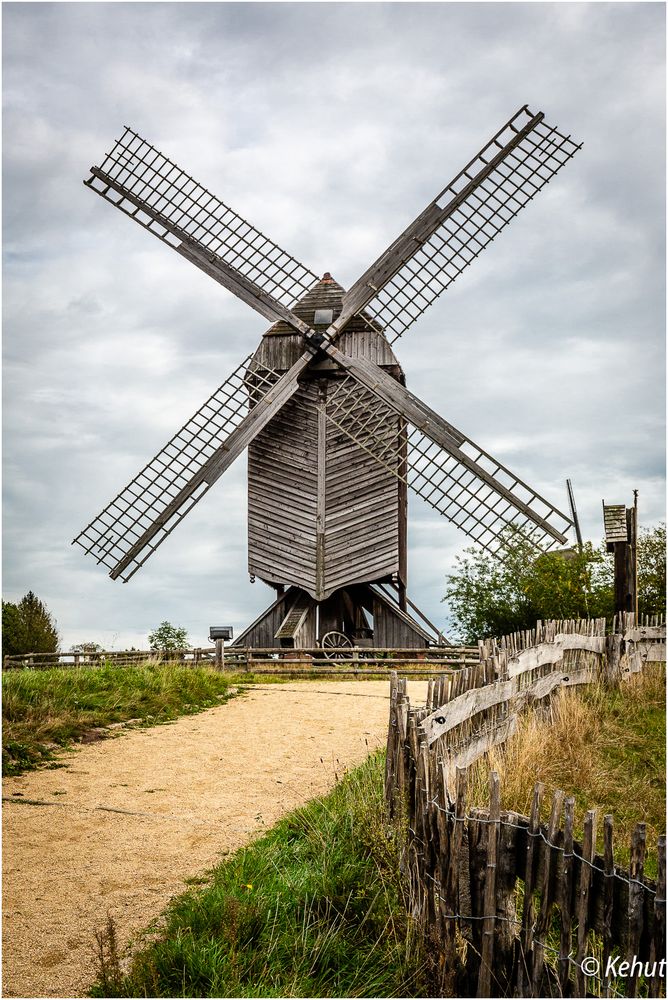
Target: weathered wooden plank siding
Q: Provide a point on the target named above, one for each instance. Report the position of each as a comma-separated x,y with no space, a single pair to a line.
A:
282,492
362,515
389,631
322,513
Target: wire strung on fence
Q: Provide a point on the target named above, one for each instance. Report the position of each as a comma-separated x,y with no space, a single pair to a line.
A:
463,865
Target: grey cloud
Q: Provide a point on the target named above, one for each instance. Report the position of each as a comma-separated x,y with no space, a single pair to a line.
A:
329,126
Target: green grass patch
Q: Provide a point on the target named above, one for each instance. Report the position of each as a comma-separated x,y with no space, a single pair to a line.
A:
312,909
44,711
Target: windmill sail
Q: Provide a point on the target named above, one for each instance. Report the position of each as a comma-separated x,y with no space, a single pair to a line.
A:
460,222
344,522
447,469
150,188
147,510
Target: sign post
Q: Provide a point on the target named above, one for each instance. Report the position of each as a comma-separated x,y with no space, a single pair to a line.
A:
218,634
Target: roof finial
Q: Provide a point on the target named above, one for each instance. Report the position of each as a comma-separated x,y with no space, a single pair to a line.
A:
327,276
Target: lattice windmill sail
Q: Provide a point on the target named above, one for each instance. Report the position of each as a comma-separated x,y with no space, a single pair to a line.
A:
334,437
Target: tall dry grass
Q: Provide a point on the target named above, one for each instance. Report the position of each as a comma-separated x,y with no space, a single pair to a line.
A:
606,747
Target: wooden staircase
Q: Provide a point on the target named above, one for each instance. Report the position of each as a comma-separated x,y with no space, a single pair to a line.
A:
295,617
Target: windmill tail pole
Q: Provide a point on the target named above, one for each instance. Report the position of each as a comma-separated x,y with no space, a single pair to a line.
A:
574,513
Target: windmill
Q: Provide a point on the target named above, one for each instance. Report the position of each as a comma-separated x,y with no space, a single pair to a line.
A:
334,437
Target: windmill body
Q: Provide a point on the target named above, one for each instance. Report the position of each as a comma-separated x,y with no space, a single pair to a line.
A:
334,437
324,518
322,514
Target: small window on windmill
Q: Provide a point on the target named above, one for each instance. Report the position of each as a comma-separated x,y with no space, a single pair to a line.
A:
323,317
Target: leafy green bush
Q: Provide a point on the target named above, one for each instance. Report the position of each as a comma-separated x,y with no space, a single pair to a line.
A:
487,597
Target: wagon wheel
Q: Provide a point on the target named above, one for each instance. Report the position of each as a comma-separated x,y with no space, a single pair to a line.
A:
334,644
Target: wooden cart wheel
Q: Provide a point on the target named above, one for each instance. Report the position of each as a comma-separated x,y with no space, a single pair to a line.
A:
334,645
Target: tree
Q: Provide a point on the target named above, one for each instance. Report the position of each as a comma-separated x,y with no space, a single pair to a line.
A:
12,630
492,598
168,637
27,627
651,549
488,597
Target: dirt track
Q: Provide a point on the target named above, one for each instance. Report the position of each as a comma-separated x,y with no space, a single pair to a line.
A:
121,828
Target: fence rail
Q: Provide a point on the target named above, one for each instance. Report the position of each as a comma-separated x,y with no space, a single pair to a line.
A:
464,864
363,660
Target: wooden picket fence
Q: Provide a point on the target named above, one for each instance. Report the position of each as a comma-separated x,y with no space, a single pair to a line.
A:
524,900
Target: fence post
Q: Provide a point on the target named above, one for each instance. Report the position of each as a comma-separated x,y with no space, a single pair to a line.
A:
612,664
588,849
608,894
489,904
636,900
658,946
566,895
528,915
546,897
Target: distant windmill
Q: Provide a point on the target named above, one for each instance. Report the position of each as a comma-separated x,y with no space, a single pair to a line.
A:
334,437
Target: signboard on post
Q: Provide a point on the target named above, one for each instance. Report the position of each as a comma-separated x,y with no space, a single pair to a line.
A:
218,634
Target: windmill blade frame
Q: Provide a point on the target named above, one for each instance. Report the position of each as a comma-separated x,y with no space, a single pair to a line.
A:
463,219
367,404
148,187
442,465
132,526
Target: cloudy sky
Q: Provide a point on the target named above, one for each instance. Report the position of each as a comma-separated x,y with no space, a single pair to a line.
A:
329,126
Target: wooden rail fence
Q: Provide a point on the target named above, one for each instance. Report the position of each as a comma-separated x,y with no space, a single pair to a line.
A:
289,662
519,894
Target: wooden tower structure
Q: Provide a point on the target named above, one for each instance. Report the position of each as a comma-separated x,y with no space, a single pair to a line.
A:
334,437
620,524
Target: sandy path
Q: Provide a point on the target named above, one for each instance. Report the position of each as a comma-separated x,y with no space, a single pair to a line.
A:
131,818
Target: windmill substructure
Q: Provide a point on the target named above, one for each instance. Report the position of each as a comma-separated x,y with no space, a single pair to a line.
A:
334,436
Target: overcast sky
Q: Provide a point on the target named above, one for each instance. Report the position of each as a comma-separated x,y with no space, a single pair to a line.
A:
329,126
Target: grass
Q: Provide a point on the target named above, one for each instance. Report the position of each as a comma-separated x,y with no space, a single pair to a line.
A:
605,747
44,711
312,909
